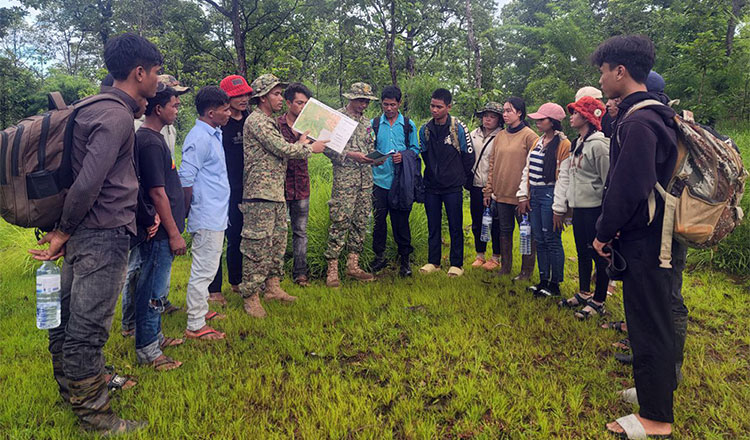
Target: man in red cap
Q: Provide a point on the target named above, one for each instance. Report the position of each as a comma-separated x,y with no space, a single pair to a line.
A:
239,96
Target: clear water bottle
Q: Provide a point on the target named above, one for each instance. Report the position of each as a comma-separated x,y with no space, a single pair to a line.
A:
486,225
48,296
525,235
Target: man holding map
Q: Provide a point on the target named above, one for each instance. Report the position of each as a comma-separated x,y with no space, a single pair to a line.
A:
264,232
351,193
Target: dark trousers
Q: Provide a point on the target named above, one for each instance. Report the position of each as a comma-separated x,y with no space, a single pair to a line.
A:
584,232
476,206
549,249
234,256
399,224
648,298
299,212
93,274
433,206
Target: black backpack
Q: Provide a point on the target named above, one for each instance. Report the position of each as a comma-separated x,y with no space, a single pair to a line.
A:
407,129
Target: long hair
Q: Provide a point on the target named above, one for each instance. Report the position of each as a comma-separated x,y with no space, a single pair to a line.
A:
577,147
549,170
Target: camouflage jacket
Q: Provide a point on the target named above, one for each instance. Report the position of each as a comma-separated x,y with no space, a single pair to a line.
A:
345,170
266,155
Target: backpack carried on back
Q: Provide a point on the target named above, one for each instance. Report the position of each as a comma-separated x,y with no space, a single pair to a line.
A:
407,128
35,163
703,195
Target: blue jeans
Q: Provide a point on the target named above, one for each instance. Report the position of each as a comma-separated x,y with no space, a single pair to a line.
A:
433,206
92,276
156,266
128,290
549,250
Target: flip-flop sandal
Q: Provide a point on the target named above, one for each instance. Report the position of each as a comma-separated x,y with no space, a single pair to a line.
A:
170,342
633,429
117,381
615,325
596,309
205,332
622,344
165,363
580,301
214,316
128,333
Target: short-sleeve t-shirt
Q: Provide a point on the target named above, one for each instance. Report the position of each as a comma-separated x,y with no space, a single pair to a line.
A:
157,168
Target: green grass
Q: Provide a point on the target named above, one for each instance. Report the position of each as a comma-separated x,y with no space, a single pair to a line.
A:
421,358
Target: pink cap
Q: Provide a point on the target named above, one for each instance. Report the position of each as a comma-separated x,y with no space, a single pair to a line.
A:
549,110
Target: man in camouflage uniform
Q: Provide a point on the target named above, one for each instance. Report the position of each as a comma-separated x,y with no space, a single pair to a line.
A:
263,200
351,193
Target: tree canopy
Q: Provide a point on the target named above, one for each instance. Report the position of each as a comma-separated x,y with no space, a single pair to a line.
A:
537,49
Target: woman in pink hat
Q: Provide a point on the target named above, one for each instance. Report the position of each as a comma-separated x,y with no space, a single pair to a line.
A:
536,194
580,187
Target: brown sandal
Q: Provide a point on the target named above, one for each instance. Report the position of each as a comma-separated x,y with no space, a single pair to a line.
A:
206,333
165,363
170,342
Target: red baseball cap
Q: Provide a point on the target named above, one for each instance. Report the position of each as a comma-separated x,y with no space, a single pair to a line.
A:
235,85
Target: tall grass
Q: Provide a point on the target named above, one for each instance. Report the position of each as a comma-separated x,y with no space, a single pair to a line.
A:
321,175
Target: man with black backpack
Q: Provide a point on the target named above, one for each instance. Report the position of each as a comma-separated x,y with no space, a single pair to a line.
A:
394,134
94,231
643,153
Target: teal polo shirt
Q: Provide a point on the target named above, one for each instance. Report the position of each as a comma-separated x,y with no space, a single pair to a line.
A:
391,139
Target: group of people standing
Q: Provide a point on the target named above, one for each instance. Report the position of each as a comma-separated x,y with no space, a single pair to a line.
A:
243,172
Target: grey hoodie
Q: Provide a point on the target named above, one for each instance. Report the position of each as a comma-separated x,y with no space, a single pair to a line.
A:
581,180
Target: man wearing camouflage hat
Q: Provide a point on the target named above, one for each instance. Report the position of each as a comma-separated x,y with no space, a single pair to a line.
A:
491,117
351,192
264,232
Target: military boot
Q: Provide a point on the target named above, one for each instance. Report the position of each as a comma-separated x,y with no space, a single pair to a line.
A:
63,384
275,292
405,269
253,307
353,270
332,276
90,401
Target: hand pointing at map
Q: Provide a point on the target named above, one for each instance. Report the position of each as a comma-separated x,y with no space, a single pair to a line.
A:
319,146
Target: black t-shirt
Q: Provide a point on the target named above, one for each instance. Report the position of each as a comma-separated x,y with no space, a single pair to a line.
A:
157,168
231,135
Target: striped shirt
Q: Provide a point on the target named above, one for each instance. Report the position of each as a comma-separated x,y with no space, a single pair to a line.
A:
536,165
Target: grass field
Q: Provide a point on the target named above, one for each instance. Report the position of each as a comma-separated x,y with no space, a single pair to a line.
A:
421,358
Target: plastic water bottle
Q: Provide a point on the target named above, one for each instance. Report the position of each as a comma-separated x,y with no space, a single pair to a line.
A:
486,225
48,296
525,236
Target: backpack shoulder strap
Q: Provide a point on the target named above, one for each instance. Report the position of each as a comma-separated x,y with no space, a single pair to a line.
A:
376,126
97,98
454,133
407,131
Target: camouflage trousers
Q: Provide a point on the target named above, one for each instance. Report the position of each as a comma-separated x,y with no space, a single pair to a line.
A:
349,210
263,244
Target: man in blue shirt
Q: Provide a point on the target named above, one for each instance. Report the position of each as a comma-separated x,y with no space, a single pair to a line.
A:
394,134
204,179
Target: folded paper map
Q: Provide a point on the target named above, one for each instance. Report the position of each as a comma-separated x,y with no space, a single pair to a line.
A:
323,123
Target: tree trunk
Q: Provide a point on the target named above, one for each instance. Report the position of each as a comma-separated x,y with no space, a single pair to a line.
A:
737,6
391,44
474,48
105,14
410,61
237,33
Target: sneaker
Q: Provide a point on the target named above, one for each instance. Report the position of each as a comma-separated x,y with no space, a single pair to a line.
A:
534,289
429,268
552,289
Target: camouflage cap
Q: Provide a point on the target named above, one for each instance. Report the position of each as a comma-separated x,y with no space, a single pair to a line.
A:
492,106
171,81
360,90
263,84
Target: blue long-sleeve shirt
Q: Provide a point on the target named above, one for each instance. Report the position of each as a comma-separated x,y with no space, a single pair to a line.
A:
390,138
204,168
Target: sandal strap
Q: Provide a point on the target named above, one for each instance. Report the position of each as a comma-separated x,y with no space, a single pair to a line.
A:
632,427
598,307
